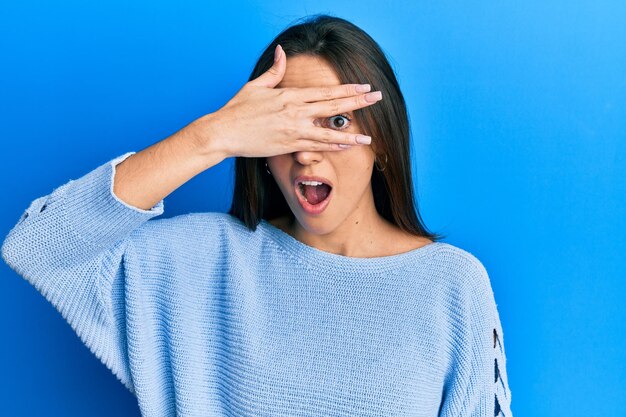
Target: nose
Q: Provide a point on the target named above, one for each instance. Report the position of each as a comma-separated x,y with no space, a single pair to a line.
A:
308,157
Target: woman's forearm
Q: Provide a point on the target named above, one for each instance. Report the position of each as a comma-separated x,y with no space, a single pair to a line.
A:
148,176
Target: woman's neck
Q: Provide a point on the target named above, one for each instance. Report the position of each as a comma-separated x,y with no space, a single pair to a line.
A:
370,238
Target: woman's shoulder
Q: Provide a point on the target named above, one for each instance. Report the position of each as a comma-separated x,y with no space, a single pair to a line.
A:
190,222
460,266
209,230
461,257
182,223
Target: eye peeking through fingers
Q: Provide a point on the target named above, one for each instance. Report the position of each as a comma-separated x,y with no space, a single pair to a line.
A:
338,123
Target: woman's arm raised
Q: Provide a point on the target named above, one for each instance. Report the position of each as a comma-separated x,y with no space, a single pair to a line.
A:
74,245
259,121
147,177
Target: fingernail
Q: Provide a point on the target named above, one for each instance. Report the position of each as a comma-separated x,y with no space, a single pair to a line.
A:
363,88
375,96
365,140
344,145
277,53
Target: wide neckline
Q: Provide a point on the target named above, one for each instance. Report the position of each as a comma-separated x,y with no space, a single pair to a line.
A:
319,259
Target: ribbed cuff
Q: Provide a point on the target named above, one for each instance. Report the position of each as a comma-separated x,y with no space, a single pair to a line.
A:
96,214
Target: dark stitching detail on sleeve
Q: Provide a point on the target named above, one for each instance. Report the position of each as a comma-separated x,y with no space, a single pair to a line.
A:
496,338
496,370
497,410
503,387
499,376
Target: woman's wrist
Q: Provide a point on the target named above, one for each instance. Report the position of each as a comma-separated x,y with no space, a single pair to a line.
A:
204,134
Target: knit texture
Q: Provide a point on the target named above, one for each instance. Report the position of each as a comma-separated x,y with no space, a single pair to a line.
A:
199,316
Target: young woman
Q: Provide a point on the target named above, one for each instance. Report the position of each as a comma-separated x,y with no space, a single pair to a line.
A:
319,293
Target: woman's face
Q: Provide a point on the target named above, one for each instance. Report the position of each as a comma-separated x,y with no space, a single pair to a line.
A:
349,170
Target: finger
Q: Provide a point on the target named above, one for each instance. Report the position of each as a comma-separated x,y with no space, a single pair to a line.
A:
313,94
341,105
324,135
274,75
315,146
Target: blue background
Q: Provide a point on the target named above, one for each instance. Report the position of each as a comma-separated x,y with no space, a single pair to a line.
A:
518,113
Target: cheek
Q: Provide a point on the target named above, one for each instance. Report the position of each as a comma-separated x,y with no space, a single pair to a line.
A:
278,165
355,173
359,162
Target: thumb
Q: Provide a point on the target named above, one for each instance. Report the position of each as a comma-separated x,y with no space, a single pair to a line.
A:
275,73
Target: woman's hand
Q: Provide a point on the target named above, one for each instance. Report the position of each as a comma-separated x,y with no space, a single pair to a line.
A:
262,121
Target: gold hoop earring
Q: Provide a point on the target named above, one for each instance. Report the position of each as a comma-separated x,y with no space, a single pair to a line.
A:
378,165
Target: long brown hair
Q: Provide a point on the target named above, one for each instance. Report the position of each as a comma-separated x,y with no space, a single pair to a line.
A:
356,58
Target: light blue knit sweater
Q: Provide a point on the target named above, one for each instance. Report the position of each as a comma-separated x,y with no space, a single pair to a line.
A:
199,316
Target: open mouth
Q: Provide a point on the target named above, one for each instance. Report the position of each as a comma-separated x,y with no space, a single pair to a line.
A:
314,192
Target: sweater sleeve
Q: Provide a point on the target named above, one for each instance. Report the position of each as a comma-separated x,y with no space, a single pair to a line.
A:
477,384
70,245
